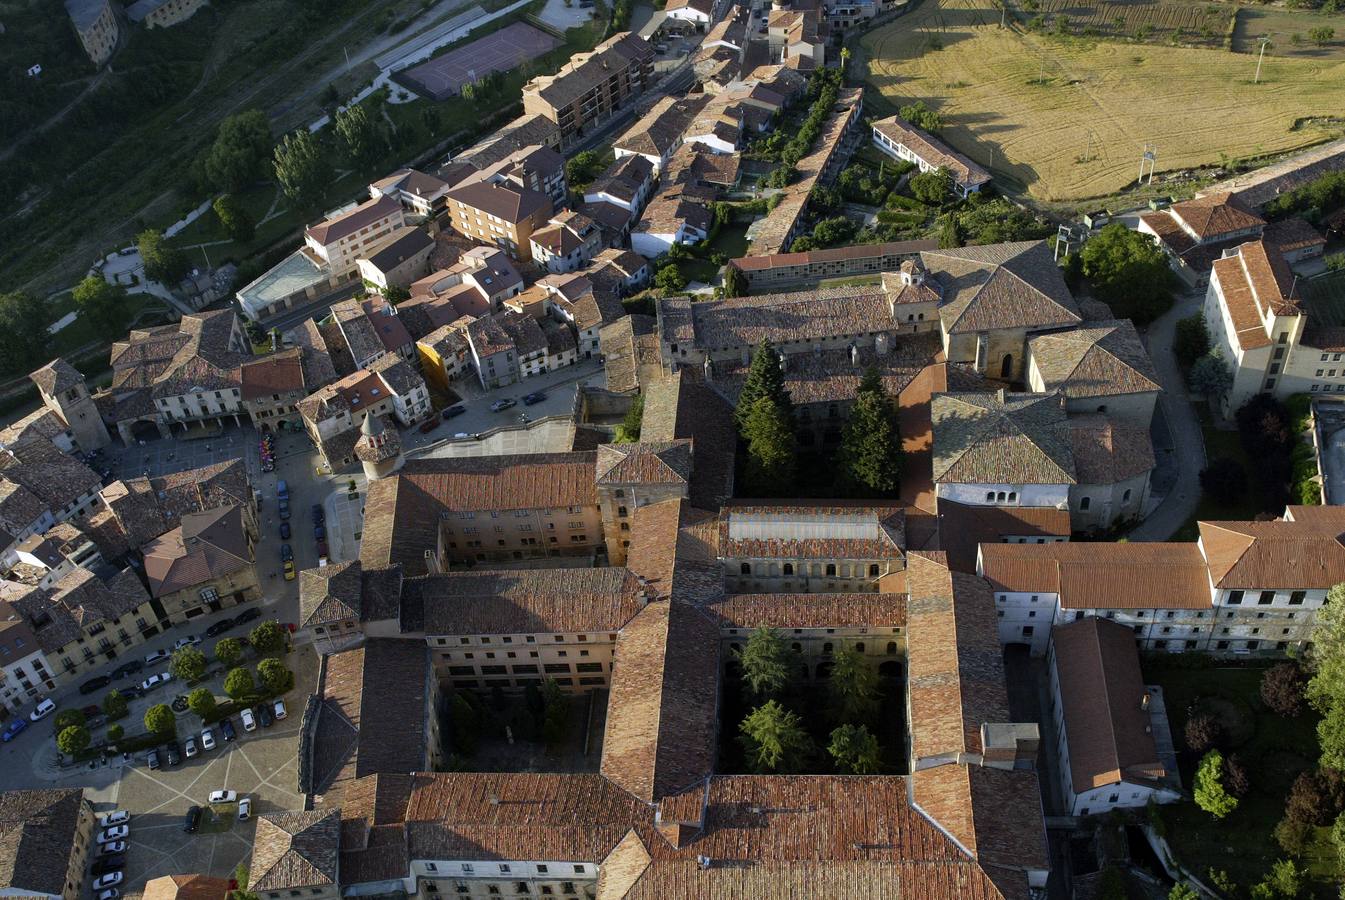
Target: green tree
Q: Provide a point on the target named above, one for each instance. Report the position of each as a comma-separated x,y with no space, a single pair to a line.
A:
1128,272
1191,341
103,305
234,218
23,331
931,187
767,664
229,652
556,717
950,235
187,664
853,685
275,678
267,637
1285,881
362,138
582,168
301,169
628,432
159,719
772,454
202,702
1183,891
239,684
869,459
1210,375
1322,35
855,751
774,741
115,732
115,705
163,263
921,116
669,279
735,283
67,718
237,158
1209,791
765,378
72,740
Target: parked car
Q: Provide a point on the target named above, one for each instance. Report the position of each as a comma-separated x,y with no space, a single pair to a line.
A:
111,847
189,640
282,489
93,709
247,615
322,548
109,894
97,683
116,817
284,531
429,425
534,397
244,809
152,760
207,740
130,667
453,411
279,707
265,716
132,691
223,796
114,863
44,709
289,570
284,509
286,551
114,833
12,730
157,656
219,628
501,405
249,721
154,681
174,755
106,881
192,821
226,727
192,749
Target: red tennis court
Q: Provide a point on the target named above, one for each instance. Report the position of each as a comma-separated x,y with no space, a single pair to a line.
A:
443,76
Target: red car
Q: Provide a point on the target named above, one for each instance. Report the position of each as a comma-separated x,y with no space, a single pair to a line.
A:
430,425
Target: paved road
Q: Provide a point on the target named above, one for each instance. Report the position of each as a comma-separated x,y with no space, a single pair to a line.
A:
1183,426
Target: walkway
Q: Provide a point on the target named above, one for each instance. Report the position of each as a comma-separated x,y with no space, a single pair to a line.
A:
1188,444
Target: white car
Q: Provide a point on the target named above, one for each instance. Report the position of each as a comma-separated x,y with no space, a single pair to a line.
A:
106,881
280,710
116,817
157,656
188,641
44,709
244,809
111,847
154,681
223,796
109,894
115,833
249,721
191,747
207,740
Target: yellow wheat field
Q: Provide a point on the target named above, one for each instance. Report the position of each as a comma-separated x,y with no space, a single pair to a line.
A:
1069,119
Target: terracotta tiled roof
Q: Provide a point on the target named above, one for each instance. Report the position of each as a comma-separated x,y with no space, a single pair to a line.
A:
1256,555
295,850
1215,215
644,463
660,130
1102,575
1001,439
329,231
330,593
1108,452
207,545
279,373
746,321
660,734
37,839
512,204
80,600
186,887
56,479
863,530
933,151
830,254
56,377
1001,286
1098,360
751,611
963,527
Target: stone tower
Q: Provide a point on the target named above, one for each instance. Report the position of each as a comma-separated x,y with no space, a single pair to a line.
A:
379,448
64,392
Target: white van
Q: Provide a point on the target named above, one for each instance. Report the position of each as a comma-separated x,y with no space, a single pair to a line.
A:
44,709
249,722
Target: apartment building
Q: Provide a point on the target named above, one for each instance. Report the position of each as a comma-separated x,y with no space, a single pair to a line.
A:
901,140
400,260
535,168
272,386
26,675
333,414
499,215
205,564
1194,233
40,487
593,85
419,193
371,329
493,353
96,26
658,133
566,242
162,13
50,834
341,239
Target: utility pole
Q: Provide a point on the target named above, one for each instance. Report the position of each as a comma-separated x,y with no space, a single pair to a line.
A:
1265,42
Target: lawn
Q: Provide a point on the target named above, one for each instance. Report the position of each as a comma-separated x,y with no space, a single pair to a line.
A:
1275,750
1067,118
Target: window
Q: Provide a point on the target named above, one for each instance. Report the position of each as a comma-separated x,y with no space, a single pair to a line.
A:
1028,630
1266,598
873,570
789,568
831,569
1296,598
1234,598
1085,503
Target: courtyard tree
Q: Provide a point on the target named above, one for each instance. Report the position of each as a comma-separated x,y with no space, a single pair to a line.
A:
268,637
202,702
931,187
557,715
669,279
1128,272
187,664
1282,688
115,732
115,705
301,169
1202,732
237,158
628,432
855,751
1285,881
233,218
163,263
159,719
767,663
1326,686
1237,777
229,652
73,740
735,283
765,378
773,740
275,678
23,331
853,685
772,452
239,684
1209,790
869,461
103,305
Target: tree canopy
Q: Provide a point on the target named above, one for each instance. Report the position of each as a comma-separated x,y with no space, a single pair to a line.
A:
765,378
774,741
772,454
303,172
767,664
360,135
23,331
931,187
103,304
159,719
163,263
1128,272
1209,790
237,158
234,218
187,664
869,461
855,751
853,685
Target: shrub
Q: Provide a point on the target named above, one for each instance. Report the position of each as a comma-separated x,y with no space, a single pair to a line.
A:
1203,732
267,637
1191,341
1315,798
188,664
115,732
1293,837
1282,689
115,705
229,652
73,740
275,678
68,718
1209,789
1237,778
202,702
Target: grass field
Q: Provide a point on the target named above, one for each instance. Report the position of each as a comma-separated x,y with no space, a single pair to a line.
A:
1067,118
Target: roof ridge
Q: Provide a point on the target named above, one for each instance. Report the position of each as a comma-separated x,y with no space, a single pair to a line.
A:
1106,696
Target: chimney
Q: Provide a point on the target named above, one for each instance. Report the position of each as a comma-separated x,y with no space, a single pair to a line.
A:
882,344
817,349
784,362
1144,701
854,354
746,357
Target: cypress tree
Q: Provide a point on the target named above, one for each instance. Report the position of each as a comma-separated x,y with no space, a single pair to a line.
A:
869,460
765,378
772,455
